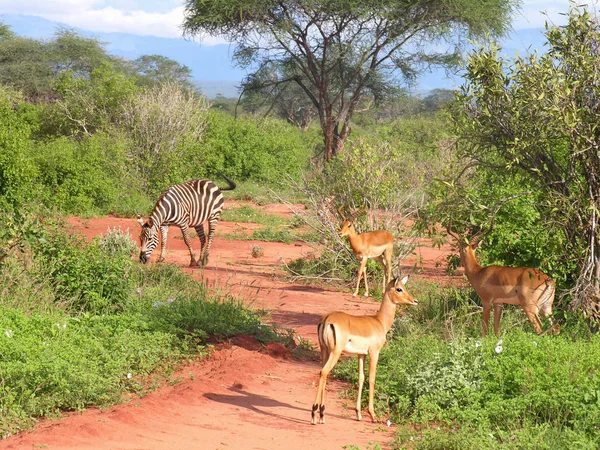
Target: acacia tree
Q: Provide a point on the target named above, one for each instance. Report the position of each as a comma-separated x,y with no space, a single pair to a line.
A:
537,119
337,51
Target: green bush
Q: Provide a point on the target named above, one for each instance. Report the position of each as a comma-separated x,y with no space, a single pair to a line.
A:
249,148
84,276
80,177
17,172
105,324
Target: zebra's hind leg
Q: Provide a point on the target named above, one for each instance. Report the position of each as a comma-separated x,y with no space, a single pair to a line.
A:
212,226
186,238
200,231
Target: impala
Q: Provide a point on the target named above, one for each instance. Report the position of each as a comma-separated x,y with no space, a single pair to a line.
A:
530,288
339,333
374,244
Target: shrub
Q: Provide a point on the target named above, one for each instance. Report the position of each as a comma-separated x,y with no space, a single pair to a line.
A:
17,172
84,276
247,148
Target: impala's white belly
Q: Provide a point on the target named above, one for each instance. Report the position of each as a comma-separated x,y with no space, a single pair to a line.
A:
357,346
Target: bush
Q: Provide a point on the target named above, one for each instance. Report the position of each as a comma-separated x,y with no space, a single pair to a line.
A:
84,177
17,172
84,276
246,148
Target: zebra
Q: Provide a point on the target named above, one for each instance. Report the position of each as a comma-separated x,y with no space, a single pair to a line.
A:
184,205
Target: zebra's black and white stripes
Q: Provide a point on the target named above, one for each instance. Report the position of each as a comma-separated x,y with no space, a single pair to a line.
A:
186,205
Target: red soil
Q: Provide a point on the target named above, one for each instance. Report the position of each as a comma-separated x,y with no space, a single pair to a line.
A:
244,395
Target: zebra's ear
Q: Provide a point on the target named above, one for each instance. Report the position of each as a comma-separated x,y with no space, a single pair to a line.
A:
140,220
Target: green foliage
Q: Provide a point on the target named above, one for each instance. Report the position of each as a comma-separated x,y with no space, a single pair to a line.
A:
85,277
157,69
529,125
246,148
16,169
80,177
31,65
89,104
249,214
326,71
81,324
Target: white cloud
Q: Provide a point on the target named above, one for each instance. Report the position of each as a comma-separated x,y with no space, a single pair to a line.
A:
93,15
535,13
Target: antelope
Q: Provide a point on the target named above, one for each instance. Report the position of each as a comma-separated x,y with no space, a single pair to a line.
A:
339,333
530,288
374,244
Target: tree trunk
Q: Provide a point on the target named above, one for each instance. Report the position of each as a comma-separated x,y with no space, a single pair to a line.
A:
329,144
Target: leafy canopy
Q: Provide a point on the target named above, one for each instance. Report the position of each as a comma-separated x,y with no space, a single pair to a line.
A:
339,51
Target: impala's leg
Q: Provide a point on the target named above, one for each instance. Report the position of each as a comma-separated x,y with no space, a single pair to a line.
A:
545,309
534,318
319,403
497,317
382,262
373,358
365,278
362,268
163,242
389,253
361,382
487,309
186,238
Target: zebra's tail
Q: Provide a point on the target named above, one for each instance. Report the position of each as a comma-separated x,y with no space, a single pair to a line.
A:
231,183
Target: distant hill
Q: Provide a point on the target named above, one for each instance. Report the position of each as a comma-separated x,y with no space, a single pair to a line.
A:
211,66
212,88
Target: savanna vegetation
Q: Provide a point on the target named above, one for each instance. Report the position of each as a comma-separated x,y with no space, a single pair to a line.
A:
85,133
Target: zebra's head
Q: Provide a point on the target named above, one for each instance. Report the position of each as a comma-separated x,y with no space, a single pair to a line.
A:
148,239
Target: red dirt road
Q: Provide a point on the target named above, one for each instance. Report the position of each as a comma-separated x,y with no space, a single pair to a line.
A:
243,396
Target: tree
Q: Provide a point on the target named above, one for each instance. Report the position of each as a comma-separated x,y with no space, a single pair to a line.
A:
155,69
31,65
536,121
336,51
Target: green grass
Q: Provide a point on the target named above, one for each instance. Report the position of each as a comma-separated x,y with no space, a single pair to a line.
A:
81,325
248,214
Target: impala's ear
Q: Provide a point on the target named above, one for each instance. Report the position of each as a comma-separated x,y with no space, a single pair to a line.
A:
405,279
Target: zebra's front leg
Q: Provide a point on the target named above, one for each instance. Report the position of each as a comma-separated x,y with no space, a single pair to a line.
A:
186,238
163,242
202,236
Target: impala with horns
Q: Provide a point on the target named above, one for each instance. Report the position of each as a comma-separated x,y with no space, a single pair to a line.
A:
529,288
373,244
339,333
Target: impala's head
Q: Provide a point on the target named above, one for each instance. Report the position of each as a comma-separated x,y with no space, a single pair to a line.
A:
397,293
148,239
348,228
349,223
472,243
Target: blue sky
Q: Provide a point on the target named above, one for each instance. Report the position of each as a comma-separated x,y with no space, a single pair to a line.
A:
163,18
132,28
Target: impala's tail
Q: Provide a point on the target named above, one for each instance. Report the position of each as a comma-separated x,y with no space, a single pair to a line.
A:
327,338
547,299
